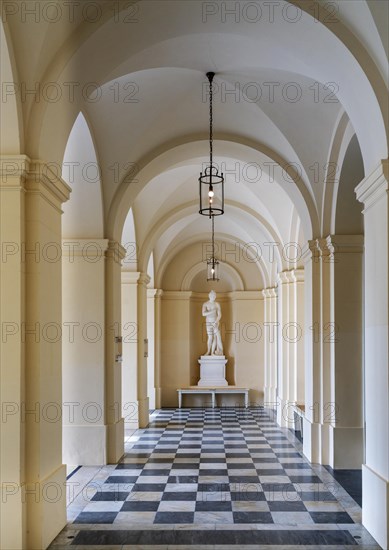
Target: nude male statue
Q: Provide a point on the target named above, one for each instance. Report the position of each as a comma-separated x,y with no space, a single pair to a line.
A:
212,313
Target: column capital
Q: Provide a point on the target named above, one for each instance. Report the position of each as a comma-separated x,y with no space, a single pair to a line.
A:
270,292
297,275
322,247
374,186
311,251
41,178
345,244
34,176
87,248
285,277
116,251
144,279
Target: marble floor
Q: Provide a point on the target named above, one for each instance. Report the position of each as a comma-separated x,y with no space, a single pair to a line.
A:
211,478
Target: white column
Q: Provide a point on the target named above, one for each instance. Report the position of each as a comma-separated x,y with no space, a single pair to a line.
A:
291,351
298,286
312,441
83,369
373,193
143,400
113,352
283,348
134,320
343,337
324,334
31,432
270,347
130,349
273,308
157,348
151,297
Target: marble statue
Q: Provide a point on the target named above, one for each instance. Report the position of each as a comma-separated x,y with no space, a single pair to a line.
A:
212,313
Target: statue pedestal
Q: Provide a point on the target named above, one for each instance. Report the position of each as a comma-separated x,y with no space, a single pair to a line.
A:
212,371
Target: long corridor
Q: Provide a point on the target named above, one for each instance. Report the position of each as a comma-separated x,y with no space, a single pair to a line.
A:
205,478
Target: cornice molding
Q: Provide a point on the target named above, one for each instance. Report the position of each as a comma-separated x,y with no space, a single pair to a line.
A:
310,251
245,295
298,275
41,175
152,292
33,176
269,293
116,251
322,248
285,277
177,295
130,277
345,244
136,277
373,187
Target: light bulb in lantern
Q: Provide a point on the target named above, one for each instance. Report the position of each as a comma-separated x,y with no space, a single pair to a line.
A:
210,193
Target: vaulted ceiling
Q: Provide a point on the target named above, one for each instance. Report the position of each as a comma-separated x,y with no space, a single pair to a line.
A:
123,87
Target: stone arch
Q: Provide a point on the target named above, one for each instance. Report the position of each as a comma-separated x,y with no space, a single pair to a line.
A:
83,213
11,137
183,149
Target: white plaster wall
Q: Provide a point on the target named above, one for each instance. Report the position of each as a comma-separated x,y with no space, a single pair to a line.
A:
151,348
83,319
130,350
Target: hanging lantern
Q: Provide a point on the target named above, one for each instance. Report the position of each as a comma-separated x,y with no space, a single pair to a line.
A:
211,182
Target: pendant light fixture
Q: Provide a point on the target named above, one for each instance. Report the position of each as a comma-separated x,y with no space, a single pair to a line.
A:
211,183
212,262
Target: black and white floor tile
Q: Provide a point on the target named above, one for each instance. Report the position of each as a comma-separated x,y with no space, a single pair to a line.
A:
213,478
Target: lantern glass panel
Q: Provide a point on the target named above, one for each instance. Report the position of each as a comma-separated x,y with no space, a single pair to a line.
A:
211,185
212,270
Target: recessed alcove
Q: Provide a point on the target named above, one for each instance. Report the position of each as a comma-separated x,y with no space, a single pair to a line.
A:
183,335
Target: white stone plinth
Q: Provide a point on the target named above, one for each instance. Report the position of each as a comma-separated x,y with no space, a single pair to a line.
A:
212,371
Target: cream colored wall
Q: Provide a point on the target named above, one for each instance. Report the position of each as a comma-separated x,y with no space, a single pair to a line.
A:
83,369
113,371
130,349
151,346
175,345
184,340
198,341
248,344
12,353
135,402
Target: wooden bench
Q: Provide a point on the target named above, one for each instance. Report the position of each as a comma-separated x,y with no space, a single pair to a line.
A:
213,392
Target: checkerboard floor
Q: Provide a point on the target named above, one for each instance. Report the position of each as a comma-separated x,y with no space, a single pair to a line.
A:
210,478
